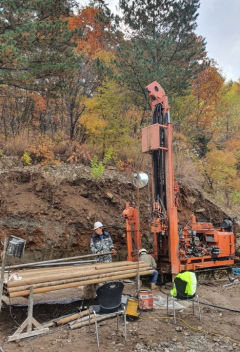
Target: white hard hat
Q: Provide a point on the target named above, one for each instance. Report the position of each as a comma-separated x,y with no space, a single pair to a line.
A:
97,225
142,250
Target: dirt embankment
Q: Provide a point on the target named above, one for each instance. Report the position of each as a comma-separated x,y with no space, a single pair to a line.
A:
54,208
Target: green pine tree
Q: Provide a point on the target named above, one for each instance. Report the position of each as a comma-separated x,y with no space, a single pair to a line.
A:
36,47
162,47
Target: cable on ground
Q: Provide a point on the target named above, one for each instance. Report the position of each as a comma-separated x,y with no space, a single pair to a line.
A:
220,307
195,329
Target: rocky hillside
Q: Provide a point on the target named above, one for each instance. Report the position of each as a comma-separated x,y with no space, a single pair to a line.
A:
54,208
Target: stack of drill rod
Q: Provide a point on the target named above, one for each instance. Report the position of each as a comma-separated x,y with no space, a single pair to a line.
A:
58,278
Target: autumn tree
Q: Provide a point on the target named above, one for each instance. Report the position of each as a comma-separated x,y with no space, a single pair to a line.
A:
195,113
97,28
93,51
107,119
222,173
227,121
17,106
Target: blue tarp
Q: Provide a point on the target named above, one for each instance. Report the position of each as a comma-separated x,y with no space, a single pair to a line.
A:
236,271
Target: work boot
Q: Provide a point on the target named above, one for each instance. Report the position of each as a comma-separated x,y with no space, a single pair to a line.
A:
153,286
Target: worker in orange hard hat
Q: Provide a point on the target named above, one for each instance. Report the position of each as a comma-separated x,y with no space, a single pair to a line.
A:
148,259
101,242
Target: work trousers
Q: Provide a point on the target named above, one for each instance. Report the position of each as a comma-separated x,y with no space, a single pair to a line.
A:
154,277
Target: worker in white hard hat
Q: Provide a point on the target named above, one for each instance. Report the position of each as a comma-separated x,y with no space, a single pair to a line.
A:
148,259
101,242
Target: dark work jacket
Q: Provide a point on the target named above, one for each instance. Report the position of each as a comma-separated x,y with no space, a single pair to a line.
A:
102,243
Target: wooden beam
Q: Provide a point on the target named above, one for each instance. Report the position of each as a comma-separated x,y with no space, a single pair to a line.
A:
64,275
84,277
80,283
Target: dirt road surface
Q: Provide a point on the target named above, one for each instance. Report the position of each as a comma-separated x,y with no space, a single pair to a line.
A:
154,331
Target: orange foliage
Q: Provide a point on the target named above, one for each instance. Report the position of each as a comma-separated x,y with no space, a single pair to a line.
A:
41,152
94,30
233,144
206,88
207,84
39,104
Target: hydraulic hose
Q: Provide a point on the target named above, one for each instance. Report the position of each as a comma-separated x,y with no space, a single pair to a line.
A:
213,305
220,307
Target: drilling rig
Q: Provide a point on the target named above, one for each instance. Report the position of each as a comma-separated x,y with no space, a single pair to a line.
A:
198,245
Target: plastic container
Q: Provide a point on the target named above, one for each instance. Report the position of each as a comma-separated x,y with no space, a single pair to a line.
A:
132,307
145,299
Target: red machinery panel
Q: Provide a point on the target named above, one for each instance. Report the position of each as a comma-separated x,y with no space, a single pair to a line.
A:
151,138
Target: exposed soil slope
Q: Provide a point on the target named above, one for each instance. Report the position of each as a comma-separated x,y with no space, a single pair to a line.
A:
54,208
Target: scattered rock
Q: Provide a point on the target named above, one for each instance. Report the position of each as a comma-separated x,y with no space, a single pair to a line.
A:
201,210
179,329
109,195
139,346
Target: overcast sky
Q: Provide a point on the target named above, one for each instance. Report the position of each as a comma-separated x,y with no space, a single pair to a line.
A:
218,23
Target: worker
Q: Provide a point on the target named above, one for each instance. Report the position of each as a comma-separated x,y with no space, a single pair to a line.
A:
148,259
185,285
101,242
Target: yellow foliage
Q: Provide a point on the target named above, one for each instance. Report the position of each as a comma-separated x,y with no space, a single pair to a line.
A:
236,183
179,136
105,56
93,123
221,165
108,119
26,159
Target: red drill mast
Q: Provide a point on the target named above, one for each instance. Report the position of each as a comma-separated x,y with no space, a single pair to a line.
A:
196,246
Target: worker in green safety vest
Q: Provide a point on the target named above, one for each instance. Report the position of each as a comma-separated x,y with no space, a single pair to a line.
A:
185,285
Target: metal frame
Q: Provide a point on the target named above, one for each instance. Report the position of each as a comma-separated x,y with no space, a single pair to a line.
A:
107,315
194,299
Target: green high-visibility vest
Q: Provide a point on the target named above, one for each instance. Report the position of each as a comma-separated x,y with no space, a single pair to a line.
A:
191,280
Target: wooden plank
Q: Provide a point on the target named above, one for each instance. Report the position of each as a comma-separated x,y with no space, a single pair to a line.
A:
92,321
15,336
82,319
64,275
31,272
72,317
79,283
84,277
21,327
28,323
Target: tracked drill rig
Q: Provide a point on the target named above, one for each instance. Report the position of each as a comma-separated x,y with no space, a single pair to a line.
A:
198,245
